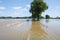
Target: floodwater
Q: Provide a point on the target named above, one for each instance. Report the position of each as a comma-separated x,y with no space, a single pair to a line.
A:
20,29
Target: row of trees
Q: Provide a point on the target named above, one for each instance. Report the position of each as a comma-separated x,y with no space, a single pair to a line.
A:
46,17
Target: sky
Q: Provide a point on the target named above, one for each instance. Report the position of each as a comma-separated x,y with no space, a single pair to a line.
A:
21,8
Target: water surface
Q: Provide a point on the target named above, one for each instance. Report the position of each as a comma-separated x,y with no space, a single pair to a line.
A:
20,29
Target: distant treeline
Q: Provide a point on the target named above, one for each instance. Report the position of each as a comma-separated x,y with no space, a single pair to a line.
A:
14,17
27,17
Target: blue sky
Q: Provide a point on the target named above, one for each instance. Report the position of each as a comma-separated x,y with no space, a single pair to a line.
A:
21,8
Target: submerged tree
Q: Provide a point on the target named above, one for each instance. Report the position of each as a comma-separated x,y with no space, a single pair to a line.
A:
47,16
37,7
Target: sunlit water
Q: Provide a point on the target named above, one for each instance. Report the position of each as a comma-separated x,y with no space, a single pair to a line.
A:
21,29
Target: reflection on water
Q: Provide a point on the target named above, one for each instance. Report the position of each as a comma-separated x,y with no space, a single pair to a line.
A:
37,31
20,29
13,29
53,28
47,20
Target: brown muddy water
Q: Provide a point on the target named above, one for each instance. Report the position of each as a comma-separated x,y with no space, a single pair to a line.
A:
20,29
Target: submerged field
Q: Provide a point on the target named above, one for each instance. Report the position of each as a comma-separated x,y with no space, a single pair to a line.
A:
20,29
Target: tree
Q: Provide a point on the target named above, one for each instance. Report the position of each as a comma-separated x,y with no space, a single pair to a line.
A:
47,16
37,7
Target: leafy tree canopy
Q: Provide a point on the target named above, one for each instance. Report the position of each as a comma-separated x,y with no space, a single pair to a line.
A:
37,7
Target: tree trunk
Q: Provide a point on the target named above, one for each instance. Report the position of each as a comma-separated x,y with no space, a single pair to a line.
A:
38,17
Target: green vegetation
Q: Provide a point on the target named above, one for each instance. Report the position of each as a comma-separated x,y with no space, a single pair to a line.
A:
57,17
37,7
30,17
47,16
14,17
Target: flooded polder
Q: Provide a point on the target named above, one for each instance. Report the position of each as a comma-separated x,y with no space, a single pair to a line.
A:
20,29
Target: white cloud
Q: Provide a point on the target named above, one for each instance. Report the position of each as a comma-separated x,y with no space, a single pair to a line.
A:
24,9
28,5
2,8
20,12
17,8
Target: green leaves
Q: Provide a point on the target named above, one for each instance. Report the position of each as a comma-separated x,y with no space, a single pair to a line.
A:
47,16
37,7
